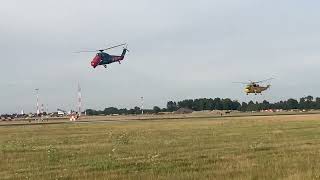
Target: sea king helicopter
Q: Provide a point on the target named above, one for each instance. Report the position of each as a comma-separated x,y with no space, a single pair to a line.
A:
253,87
103,58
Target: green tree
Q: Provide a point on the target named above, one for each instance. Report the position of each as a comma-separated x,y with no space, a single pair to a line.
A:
172,106
292,104
251,106
188,103
264,105
217,104
156,109
235,105
110,110
198,104
123,111
226,104
91,112
137,110
317,102
244,107
210,104
302,103
309,102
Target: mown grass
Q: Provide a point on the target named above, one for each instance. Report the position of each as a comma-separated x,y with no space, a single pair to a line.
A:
284,147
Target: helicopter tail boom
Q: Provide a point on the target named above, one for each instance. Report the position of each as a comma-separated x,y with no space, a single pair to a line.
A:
119,58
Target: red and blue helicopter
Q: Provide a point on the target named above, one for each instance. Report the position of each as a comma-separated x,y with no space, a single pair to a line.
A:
103,58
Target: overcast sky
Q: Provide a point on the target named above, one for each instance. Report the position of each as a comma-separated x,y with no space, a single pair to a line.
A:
178,49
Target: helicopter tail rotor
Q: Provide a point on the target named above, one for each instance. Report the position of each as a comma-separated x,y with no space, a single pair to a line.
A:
268,86
126,47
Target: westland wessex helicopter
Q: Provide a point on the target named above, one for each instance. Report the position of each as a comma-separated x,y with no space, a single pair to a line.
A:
103,58
254,87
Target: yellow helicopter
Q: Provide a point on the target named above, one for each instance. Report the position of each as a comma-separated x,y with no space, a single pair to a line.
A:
254,87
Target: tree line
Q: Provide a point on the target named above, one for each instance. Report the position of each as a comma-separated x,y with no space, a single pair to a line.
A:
304,103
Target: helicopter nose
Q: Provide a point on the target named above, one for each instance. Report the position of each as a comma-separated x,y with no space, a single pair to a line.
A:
246,90
95,62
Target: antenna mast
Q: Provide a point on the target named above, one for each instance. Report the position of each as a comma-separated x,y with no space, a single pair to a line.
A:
142,105
37,93
79,100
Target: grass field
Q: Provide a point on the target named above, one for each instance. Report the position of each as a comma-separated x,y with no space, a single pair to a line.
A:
275,147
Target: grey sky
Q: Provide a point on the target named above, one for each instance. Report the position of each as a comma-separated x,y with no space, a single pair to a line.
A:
179,49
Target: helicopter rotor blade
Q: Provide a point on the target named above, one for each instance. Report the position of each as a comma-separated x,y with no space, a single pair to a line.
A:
242,82
86,51
112,47
264,80
101,50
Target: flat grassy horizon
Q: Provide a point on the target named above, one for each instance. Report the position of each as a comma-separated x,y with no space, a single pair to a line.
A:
276,147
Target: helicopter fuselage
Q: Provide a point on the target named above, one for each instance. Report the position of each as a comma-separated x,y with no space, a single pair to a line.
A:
103,58
256,89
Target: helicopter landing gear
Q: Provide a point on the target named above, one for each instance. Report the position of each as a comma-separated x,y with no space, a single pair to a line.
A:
105,66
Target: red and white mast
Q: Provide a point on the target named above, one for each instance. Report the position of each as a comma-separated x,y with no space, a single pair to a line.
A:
38,110
42,108
142,105
79,100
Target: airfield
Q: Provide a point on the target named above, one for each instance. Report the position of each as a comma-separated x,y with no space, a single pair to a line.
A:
201,145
